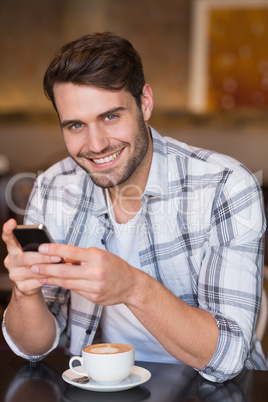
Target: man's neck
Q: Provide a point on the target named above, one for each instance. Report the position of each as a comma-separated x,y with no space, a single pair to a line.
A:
126,197
126,205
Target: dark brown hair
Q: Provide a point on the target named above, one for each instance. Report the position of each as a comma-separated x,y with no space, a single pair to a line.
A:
102,60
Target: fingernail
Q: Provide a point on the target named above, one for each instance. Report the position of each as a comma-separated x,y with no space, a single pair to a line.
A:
43,248
35,269
55,259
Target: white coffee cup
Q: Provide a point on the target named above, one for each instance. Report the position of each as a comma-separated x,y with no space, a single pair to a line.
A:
106,363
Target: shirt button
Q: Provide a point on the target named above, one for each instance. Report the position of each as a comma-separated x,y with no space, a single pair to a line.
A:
88,331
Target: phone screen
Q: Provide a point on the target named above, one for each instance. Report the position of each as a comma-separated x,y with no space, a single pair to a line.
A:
30,237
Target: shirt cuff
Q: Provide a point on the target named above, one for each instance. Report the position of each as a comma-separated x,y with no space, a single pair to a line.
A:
16,350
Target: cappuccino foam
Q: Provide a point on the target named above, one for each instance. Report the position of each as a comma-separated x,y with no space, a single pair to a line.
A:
108,348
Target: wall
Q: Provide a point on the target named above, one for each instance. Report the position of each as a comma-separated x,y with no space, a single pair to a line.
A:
32,31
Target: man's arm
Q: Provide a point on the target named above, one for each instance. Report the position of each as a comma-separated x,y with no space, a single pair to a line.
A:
188,333
28,321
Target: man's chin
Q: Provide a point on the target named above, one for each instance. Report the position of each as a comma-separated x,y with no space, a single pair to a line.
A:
102,183
103,180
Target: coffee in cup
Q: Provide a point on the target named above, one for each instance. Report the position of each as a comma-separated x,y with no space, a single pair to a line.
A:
106,363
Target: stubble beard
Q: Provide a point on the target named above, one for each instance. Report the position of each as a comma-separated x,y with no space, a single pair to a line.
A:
108,178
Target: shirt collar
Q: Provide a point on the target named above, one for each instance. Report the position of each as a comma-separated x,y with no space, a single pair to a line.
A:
157,183
100,206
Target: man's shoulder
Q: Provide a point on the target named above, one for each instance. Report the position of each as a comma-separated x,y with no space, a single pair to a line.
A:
196,154
170,146
198,161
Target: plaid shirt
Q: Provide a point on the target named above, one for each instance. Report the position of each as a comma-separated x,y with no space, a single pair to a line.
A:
200,235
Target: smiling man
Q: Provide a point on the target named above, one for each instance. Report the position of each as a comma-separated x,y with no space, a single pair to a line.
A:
110,140
167,239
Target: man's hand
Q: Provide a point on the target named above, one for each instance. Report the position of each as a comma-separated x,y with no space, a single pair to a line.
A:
18,262
101,276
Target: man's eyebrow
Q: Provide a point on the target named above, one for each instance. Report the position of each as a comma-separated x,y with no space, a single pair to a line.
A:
66,123
111,111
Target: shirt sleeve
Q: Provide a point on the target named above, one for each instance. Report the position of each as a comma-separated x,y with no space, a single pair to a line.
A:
231,276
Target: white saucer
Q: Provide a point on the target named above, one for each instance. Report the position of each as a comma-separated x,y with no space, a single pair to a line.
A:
138,376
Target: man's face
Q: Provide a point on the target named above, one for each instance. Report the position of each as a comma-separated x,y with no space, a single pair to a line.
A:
104,132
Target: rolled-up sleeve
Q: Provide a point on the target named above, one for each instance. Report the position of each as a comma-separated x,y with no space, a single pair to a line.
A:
231,277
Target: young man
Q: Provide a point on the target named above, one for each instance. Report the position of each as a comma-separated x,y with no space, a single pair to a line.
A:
166,240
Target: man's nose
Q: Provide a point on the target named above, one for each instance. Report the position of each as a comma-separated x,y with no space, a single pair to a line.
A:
97,140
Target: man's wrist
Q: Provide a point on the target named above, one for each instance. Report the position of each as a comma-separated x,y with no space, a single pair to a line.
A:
139,290
20,293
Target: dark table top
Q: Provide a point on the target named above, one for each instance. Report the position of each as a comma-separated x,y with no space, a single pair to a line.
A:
21,381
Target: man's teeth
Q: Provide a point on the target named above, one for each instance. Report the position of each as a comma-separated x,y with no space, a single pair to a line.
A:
107,159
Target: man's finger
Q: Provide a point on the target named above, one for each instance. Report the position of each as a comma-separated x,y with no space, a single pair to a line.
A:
68,253
62,271
9,238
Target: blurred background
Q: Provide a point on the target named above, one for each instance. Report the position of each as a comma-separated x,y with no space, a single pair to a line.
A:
206,60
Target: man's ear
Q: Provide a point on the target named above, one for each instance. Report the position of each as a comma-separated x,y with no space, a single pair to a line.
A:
147,102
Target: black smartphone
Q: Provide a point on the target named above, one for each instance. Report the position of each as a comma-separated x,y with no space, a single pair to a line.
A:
31,236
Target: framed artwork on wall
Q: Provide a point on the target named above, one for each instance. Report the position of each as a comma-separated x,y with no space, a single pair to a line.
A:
229,56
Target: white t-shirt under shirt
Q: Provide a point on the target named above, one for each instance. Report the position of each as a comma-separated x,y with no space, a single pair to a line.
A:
117,322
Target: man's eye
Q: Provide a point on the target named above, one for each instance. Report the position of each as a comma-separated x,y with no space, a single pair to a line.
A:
76,126
110,117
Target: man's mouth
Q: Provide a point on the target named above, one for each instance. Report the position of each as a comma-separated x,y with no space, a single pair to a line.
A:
107,158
